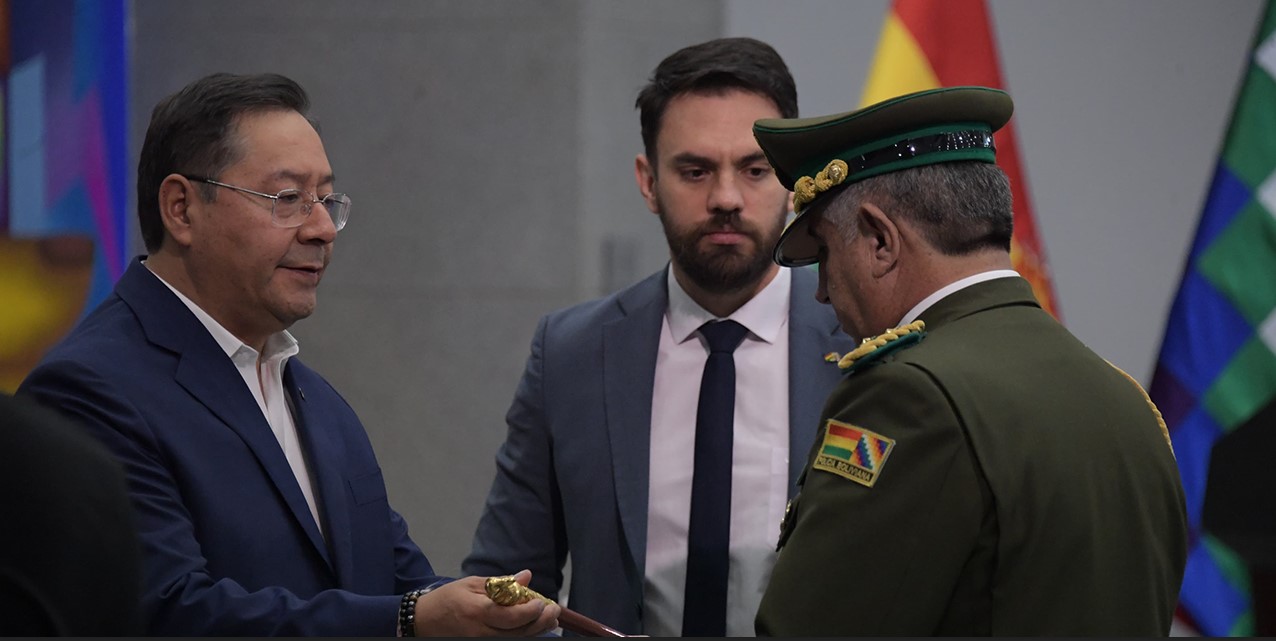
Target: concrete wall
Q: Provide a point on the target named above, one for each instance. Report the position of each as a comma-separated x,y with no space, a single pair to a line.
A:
488,146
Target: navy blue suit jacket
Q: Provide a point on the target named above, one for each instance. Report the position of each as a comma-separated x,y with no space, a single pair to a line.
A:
572,475
229,546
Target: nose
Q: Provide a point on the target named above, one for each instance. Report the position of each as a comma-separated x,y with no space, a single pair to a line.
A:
822,290
725,196
318,226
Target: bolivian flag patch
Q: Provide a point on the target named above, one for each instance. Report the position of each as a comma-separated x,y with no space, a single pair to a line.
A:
853,452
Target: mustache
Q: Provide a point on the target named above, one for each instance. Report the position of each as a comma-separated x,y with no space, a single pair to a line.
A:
727,223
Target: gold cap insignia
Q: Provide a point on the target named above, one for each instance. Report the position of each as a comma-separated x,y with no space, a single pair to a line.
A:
807,188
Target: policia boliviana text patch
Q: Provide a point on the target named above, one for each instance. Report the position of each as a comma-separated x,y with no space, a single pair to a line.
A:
853,452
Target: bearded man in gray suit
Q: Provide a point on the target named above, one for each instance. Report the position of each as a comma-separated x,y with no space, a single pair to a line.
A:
599,460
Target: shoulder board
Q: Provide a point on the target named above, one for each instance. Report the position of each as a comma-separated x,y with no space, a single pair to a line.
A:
873,349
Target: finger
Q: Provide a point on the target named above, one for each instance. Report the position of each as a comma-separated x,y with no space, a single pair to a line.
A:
473,584
514,617
547,621
524,577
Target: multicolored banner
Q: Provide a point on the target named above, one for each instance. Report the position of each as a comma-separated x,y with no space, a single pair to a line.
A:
63,188
928,44
1216,375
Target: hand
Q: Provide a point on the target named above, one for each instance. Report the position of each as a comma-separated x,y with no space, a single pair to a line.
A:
462,609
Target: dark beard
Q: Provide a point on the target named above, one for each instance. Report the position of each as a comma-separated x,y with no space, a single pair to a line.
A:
724,269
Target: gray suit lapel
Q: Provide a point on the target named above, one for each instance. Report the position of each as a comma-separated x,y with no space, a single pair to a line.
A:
630,344
813,332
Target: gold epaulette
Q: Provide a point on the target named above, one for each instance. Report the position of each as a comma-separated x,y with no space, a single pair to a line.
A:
871,349
1160,420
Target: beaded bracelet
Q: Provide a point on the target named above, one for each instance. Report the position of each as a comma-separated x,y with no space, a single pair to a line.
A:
407,613
407,608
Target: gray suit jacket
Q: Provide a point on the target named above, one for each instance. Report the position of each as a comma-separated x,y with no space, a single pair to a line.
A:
572,475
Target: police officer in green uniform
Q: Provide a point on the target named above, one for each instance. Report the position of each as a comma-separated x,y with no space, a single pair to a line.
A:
978,470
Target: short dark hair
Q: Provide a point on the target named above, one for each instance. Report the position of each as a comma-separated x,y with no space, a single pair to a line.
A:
713,68
192,132
959,207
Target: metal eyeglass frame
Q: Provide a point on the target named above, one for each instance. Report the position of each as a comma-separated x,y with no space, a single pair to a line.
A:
338,221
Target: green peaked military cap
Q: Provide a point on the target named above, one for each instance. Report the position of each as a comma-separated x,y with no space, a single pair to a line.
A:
813,156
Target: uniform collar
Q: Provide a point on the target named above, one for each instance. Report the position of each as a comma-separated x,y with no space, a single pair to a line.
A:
953,287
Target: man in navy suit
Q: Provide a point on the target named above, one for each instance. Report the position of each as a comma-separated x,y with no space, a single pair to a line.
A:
599,460
259,501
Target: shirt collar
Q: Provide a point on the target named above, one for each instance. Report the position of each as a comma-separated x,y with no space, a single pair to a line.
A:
280,345
764,315
952,288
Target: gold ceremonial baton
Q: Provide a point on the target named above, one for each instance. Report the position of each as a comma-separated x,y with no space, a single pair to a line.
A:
505,591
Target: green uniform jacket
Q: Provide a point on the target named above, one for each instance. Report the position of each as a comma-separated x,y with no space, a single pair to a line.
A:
1030,490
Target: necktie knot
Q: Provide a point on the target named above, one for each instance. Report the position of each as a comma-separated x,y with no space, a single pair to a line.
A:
723,336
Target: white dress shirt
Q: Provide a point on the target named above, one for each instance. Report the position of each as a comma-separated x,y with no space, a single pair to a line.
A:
760,454
264,377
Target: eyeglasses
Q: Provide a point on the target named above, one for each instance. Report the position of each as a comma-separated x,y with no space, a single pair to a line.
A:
291,207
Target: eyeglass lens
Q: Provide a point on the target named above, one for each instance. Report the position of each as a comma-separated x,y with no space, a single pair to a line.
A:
293,206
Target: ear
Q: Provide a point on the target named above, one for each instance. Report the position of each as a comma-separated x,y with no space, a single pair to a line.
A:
645,174
176,199
883,237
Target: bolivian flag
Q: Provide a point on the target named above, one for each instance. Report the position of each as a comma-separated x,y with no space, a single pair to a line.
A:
928,44
853,452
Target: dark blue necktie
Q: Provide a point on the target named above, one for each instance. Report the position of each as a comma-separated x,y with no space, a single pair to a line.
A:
704,611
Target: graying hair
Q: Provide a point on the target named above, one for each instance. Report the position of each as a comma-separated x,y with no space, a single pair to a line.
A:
959,207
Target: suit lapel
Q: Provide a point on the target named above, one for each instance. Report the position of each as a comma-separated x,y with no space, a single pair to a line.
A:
630,344
812,333
330,484
210,377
